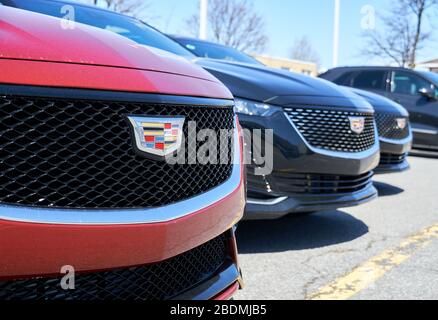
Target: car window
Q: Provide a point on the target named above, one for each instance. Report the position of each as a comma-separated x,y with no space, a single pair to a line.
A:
370,80
408,83
344,79
216,51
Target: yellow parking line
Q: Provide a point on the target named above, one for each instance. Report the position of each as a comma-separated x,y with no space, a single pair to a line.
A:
372,270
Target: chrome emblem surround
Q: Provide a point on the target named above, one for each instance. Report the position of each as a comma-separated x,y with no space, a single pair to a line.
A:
357,124
401,123
157,136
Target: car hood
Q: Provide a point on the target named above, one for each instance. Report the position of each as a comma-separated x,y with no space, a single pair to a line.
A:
269,85
380,103
27,35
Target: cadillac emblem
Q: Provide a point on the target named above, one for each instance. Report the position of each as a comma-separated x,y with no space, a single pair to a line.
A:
157,136
357,124
401,123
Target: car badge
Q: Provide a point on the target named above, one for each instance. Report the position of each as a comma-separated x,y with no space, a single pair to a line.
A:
157,136
401,123
357,124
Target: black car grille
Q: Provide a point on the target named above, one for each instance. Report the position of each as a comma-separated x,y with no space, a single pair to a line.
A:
392,159
71,153
389,128
293,183
160,281
331,130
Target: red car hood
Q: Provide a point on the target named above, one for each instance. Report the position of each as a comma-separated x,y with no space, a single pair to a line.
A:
30,36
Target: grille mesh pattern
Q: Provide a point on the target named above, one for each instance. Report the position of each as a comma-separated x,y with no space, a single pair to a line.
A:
164,280
388,127
321,184
330,129
392,159
79,154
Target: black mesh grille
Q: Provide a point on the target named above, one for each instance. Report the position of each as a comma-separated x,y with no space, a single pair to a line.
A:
78,154
293,183
331,130
392,159
164,280
389,128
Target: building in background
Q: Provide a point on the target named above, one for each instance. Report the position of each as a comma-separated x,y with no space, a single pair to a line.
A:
432,65
305,67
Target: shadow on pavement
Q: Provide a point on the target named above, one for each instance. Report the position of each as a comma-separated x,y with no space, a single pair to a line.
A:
386,190
299,232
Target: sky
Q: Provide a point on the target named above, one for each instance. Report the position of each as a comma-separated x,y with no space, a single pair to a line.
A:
287,20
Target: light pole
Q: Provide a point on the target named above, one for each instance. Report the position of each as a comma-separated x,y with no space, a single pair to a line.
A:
336,33
203,19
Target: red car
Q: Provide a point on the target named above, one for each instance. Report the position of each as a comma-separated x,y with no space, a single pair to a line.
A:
87,118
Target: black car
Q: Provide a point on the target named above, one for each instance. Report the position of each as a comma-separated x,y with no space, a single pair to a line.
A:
325,139
417,91
395,132
319,162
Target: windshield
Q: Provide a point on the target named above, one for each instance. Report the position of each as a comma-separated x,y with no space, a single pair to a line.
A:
123,25
216,51
431,76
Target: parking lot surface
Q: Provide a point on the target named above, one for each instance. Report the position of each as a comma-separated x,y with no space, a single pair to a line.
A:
386,249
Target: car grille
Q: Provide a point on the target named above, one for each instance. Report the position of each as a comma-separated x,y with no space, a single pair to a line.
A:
330,129
293,183
69,153
388,127
160,281
392,159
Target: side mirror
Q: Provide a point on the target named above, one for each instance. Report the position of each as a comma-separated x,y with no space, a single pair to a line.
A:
428,93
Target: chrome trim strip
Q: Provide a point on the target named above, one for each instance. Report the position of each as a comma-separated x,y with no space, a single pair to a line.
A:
340,154
129,216
271,202
425,131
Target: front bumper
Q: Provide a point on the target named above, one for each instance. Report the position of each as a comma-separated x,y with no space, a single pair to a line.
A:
203,273
279,207
37,243
394,155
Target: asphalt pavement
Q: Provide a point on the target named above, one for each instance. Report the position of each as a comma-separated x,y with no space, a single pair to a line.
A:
386,249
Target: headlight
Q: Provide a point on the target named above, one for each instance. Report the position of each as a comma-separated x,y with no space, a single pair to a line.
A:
254,108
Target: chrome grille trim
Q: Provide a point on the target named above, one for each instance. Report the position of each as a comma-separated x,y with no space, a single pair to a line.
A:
373,149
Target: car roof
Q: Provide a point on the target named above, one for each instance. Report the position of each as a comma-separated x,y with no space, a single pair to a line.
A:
372,67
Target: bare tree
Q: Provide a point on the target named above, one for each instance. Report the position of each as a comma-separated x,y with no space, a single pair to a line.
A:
133,8
303,49
234,23
402,35
418,8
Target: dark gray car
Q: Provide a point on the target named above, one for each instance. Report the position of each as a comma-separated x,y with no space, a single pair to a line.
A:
417,91
395,133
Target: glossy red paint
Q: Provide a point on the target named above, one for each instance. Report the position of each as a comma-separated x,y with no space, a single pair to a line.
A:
105,78
29,41
32,36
